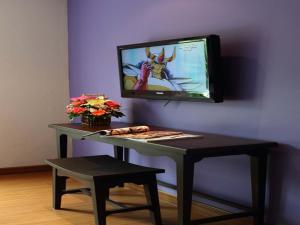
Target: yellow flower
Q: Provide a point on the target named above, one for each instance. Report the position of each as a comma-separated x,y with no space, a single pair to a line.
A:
94,102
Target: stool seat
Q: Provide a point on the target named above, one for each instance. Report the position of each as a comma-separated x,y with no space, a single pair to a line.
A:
101,173
102,166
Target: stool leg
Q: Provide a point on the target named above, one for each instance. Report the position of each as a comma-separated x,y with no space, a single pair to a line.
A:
258,180
58,186
153,200
99,196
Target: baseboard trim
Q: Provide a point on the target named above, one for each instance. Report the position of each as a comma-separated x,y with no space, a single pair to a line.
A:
24,169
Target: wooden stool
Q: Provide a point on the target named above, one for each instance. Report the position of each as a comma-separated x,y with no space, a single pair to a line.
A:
102,173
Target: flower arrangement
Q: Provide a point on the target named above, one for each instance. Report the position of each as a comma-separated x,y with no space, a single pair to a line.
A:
92,108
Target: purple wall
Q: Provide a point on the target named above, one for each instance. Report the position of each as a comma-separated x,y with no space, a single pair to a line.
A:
260,50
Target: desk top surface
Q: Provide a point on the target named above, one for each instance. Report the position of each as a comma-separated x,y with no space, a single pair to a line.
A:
208,144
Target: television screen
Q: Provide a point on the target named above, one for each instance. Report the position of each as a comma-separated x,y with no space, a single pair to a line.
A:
181,69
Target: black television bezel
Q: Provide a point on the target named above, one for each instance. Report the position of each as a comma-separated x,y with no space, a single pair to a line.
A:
214,72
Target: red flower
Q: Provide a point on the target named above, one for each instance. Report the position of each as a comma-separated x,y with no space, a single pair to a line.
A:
112,104
99,112
78,110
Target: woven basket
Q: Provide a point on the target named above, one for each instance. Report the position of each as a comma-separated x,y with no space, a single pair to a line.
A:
95,121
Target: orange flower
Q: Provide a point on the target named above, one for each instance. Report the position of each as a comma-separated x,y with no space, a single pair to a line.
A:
112,104
77,103
99,112
78,110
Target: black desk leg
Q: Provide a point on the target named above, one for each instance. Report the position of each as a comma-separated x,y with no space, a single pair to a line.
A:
121,153
62,145
152,199
126,154
118,152
185,177
258,182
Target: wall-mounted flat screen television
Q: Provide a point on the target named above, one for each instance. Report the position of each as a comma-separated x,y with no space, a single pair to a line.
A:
179,69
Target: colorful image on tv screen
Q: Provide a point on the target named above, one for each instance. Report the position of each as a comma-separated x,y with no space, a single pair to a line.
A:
180,67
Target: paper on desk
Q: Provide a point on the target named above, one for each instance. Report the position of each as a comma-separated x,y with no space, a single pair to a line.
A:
169,137
143,133
124,130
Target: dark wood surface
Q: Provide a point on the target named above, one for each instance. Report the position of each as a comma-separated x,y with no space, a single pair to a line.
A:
208,143
103,165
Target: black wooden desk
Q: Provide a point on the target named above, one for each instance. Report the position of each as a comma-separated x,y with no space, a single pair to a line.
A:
186,152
